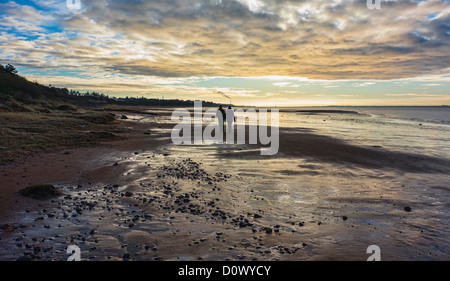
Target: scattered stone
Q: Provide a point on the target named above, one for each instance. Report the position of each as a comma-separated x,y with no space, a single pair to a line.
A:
243,224
407,209
344,218
40,192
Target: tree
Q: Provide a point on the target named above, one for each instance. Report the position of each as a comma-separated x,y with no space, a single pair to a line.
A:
10,69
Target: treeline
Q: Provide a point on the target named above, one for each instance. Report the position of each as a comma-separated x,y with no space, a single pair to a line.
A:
99,97
15,87
8,69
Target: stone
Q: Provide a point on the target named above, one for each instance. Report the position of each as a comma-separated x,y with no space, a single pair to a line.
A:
40,192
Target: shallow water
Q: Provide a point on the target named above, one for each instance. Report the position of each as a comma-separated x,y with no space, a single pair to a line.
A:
319,195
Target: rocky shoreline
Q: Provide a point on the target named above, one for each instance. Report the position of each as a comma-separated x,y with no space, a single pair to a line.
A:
87,216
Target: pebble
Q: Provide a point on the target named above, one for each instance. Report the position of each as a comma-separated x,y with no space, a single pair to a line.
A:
192,202
243,224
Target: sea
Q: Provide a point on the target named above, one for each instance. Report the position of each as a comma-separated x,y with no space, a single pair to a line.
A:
417,129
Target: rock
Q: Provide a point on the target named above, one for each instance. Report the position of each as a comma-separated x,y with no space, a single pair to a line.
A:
128,194
268,230
9,229
123,117
407,209
25,258
245,242
344,218
243,224
256,216
40,192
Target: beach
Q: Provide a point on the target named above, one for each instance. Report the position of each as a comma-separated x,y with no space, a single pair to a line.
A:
140,197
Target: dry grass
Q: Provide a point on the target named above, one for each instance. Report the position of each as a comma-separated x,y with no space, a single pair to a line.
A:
28,132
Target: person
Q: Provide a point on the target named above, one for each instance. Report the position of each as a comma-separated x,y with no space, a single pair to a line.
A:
221,115
230,126
230,118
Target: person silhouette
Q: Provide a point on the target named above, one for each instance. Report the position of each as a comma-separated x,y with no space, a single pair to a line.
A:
221,115
230,116
230,125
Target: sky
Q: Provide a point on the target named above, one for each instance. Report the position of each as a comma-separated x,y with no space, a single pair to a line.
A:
257,52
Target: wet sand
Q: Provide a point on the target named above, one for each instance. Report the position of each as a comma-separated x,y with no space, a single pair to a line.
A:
144,198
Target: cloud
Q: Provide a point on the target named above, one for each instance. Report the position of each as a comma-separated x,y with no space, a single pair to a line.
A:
329,40
414,95
433,85
282,84
363,84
